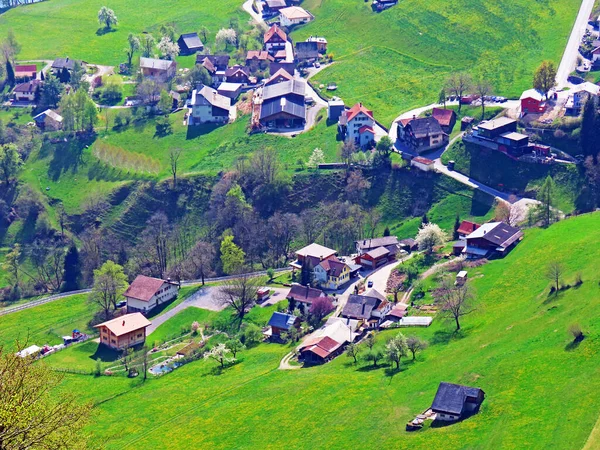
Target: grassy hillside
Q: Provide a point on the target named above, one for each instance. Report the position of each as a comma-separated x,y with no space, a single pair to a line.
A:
398,59
542,391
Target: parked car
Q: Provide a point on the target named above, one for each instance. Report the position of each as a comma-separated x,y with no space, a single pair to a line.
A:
370,284
317,65
121,304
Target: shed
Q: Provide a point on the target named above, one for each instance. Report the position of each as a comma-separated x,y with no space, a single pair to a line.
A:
461,278
281,323
230,90
421,163
455,401
31,350
415,321
190,43
335,109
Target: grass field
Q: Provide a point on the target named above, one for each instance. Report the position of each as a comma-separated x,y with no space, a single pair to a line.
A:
542,391
398,59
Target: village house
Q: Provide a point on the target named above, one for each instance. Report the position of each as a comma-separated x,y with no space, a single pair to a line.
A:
124,331
375,252
307,52
146,293
422,163
282,323
189,43
321,43
294,15
237,74
532,102
283,105
500,134
465,228
258,59
230,90
272,7
579,95
492,239
215,65
157,69
278,77
335,108
274,39
25,72
26,92
445,117
302,297
312,255
409,245
357,125
326,343
371,307
331,273
455,402
64,63
422,133
49,120
208,106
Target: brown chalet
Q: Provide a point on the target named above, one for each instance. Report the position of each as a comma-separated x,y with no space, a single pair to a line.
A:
492,239
124,332
375,252
274,39
445,117
303,296
279,77
237,74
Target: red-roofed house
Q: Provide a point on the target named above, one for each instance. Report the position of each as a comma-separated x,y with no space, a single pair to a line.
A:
274,39
303,296
145,293
124,332
357,124
319,350
28,71
331,273
445,117
466,228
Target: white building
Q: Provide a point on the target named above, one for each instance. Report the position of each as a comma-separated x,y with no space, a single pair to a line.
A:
422,163
208,106
145,293
158,69
294,15
357,124
580,95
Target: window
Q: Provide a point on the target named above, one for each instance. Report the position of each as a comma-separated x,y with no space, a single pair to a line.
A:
112,341
139,335
104,338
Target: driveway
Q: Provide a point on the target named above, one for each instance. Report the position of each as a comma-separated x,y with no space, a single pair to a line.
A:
257,18
278,295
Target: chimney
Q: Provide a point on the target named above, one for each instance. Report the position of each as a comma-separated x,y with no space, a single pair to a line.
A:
414,117
123,322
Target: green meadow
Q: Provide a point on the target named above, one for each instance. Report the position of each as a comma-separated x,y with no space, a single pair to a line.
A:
542,390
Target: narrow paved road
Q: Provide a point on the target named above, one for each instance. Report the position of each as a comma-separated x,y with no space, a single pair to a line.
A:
247,6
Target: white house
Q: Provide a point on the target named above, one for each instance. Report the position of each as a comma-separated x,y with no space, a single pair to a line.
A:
422,163
208,106
25,92
581,94
145,293
158,69
331,273
294,15
357,124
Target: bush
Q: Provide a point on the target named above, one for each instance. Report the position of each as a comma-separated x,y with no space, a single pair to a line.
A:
578,279
576,332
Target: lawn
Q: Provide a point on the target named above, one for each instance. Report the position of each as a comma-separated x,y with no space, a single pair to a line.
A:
398,59
541,390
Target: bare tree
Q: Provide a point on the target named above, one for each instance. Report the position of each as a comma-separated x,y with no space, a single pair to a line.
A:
240,294
373,219
265,165
554,273
459,84
201,259
174,155
415,344
347,151
483,89
455,301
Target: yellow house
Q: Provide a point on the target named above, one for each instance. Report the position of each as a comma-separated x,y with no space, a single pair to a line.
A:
124,332
331,273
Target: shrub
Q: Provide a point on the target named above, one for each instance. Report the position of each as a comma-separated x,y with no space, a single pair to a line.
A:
578,279
576,332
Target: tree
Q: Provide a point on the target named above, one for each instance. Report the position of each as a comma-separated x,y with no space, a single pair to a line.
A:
77,77
319,308
442,97
459,84
220,353
126,358
107,17
546,197
544,77
347,151
168,48
10,73
396,348
235,346
415,344
385,146
36,411
109,284
198,75
201,259
589,139
240,294
356,186
12,265
165,103
72,270
149,91
174,155
317,157
429,236
145,355
10,162
386,232
52,89
10,47
133,46
455,301
226,37
483,89
167,31
147,45
352,351
370,341
232,257
554,273
204,33
457,223
374,355
271,273
576,332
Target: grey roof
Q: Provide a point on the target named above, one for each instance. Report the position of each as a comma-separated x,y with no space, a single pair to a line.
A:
378,252
30,86
297,87
286,104
307,50
191,40
60,63
219,61
361,306
152,63
282,320
209,96
424,127
451,398
377,242
497,233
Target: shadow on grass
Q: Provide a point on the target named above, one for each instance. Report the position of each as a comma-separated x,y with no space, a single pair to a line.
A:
444,337
574,344
444,423
105,354
371,367
104,30
195,131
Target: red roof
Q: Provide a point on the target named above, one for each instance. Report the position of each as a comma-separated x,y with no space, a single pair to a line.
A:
397,312
26,68
365,128
322,347
422,160
467,227
143,288
304,294
405,122
261,55
443,116
275,30
358,108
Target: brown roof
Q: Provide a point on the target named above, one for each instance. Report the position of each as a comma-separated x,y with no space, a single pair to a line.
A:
443,116
322,347
333,266
261,55
358,108
279,74
28,87
275,30
304,294
467,227
126,324
143,288
378,252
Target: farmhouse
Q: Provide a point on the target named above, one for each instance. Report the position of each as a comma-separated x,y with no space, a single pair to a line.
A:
326,343
445,117
145,293
294,15
303,296
258,59
373,253
189,43
272,7
216,65
321,43
409,245
421,163
579,95
500,134
454,401
532,102
283,105
282,323
208,106
357,125
26,92
422,133
28,71
370,307
124,332
307,52
63,63
279,77
49,120
490,239
237,74
274,39
331,273
157,69
312,255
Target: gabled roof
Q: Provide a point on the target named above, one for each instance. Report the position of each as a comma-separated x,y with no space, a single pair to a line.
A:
356,109
219,62
126,324
467,227
30,86
497,233
591,88
378,252
297,87
362,306
366,129
451,398
49,113
208,95
237,69
295,13
307,50
333,266
282,320
143,288
25,68
532,93
261,55
316,250
323,346
191,40
276,77
158,64
422,127
275,31
443,116
61,63
292,106
304,294
423,160
377,242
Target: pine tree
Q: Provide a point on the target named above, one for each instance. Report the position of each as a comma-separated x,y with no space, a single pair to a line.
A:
456,227
386,232
589,131
72,267
10,73
424,219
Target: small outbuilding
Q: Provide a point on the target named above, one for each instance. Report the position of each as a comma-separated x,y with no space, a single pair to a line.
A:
282,323
335,108
49,120
422,163
455,402
461,278
189,43
230,90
